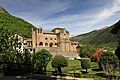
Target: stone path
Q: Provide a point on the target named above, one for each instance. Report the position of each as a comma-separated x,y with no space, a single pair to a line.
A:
72,78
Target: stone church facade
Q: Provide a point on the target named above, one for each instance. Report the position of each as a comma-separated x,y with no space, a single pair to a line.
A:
56,41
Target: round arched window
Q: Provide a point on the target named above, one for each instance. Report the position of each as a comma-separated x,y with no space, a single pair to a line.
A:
40,44
55,43
46,44
51,44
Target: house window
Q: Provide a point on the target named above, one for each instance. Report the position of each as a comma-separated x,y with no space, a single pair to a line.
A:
30,49
29,44
50,38
40,44
55,38
25,43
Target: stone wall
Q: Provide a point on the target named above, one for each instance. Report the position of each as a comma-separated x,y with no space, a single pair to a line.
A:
56,41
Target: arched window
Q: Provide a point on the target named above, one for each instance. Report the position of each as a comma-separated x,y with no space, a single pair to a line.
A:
40,44
46,44
56,44
51,44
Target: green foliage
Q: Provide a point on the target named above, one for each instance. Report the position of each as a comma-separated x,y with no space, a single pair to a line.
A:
16,25
86,51
109,62
85,63
58,62
100,38
9,53
73,65
26,57
117,53
7,45
40,60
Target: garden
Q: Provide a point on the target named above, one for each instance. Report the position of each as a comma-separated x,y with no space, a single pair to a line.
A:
94,63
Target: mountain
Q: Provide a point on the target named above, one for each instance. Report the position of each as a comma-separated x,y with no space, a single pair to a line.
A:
102,37
15,24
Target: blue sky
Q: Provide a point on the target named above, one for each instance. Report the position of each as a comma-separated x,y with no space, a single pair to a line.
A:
77,16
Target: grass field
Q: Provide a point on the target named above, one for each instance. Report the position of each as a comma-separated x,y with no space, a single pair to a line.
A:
74,67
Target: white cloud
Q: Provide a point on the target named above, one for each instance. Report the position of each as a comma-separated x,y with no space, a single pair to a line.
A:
76,23
82,23
109,11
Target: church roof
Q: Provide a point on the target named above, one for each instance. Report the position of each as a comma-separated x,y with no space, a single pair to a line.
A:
60,29
116,28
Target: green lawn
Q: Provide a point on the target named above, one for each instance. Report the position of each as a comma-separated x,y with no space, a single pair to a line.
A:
74,67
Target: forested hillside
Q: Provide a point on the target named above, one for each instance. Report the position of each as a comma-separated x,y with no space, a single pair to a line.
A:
102,37
15,24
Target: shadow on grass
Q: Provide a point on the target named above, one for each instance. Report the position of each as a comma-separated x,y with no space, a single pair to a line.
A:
100,74
84,72
96,69
42,77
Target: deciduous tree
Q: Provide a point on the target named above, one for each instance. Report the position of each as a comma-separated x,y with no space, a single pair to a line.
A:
109,63
41,59
58,62
85,63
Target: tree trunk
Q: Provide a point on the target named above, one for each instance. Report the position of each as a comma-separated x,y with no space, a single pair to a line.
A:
44,70
119,63
59,70
86,70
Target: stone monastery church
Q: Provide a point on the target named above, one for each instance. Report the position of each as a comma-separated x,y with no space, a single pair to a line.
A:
56,41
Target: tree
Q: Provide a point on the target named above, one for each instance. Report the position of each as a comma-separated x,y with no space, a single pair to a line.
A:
117,53
40,60
109,62
86,51
7,42
10,54
98,54
83,52
85,63
58,62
